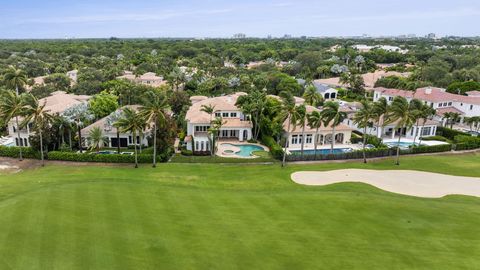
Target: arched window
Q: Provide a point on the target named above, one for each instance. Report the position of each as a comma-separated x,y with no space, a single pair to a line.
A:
333,95
327,95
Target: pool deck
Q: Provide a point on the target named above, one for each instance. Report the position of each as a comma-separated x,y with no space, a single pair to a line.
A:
326,147
410,141
224,146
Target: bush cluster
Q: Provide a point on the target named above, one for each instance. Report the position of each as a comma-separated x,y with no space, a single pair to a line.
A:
14,152
463,142
90,157
450,133
275,149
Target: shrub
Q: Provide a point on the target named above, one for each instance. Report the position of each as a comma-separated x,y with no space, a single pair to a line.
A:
436,138
450,133
275,149
86,157
373,140
14,152
186,152
466,142
429,149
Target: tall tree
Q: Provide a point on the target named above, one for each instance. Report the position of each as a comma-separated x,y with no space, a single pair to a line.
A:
132,122
300,118
286,112
380,109
36,114
214,129
332,116
426,113
210,110
112,119
80,115
12,106
15,78
363,119
312,97
315,121
404,114
154,111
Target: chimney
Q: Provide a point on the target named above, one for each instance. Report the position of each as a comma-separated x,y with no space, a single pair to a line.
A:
428,91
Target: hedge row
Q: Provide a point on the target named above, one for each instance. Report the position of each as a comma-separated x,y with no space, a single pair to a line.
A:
466,142
88,157
275,149
373,153
450,133
14,152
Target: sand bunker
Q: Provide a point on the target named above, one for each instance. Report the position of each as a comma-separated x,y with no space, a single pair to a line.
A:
414,183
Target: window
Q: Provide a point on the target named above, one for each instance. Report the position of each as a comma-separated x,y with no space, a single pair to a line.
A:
390,98
233,114
309,138
207,146
426,131
25,142
439,105
333,95
471,107
201,128
196,146
445,104
217,114
130,139
449,103
201,145
225,114
294,139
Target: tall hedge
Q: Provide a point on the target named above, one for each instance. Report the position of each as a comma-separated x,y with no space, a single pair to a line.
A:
275,149
450,133
14,152
104,158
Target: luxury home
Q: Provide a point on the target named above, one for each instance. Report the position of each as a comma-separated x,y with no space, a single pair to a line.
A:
236,126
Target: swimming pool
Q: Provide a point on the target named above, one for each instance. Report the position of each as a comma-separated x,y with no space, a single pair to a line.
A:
246,150
404,145
322,151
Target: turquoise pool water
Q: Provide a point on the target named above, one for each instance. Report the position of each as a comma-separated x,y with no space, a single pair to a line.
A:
401,144
321,151
245,149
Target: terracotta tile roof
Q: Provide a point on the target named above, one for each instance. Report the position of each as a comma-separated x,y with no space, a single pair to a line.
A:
222,103
474,93
442,111
59,101
298,129
431,94
369,78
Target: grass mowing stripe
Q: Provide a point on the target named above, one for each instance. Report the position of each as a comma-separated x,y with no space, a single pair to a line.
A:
83,239
49,229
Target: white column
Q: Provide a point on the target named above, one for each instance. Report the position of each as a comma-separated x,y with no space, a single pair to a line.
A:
240,133
393,133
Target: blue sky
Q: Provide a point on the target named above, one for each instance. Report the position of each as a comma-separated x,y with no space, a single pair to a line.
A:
221,18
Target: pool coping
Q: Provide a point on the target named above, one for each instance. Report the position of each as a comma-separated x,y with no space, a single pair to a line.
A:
221,149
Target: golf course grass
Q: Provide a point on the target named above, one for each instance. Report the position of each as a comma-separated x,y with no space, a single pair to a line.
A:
210,216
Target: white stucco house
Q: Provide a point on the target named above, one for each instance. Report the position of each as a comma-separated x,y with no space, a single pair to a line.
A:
236,127
56,103
149,78
109,131
327,92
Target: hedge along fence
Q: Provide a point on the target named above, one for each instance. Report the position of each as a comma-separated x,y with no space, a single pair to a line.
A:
104,158
372,153
450,133
14,152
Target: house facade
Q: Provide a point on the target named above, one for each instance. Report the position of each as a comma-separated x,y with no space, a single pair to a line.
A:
236,125
324,137
437,98
109,131
327,92
56,103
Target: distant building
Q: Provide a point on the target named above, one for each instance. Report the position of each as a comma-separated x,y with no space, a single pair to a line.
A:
431,36
149,78
239,36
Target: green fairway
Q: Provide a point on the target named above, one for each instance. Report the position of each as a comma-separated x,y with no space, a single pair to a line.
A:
210,216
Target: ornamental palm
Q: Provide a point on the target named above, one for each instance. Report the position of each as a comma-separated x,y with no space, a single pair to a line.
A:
404,114
35,113
416,106
315,121
286,112
154,111
210,109
214,129
363,119
299,118
332,116
12,106
380,109
15,78
426,113
111,120
132,122
96,139
311,96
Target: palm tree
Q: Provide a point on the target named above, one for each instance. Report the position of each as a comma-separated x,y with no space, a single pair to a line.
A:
315,121
380,109
455,117
63,126
155,111
332,116
446,117
299,118
15,78
111,120
311,96
80,115
363,119
12,106
405,115
426,113
131,122
216,125
286,112
210,109
35,113
416,106
96,139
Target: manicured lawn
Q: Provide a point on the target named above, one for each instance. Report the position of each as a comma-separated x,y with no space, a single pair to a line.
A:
210,216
